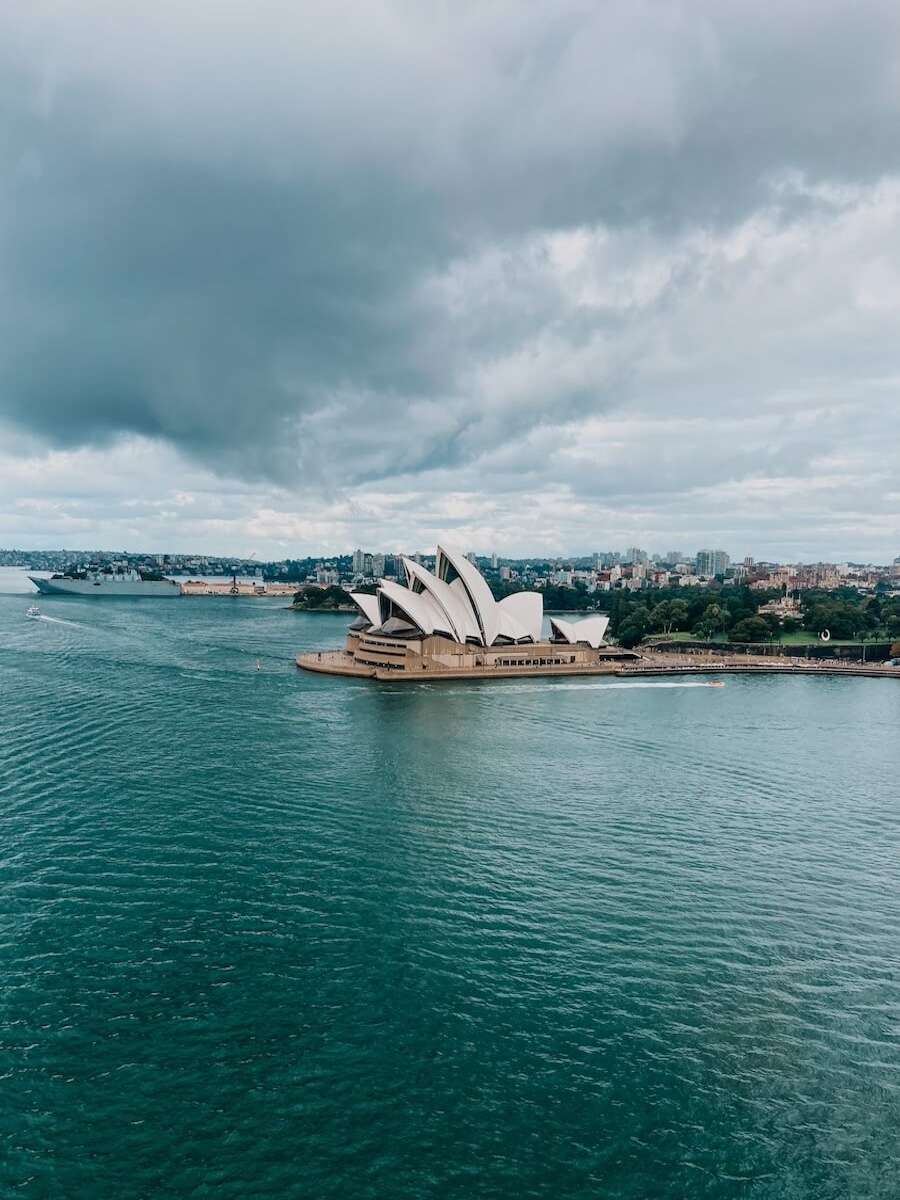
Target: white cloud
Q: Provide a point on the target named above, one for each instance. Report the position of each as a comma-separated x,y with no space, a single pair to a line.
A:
546,278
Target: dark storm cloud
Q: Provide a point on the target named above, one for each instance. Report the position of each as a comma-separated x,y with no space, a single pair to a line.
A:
199,305
307,241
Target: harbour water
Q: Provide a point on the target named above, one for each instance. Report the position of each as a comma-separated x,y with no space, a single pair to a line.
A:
265,933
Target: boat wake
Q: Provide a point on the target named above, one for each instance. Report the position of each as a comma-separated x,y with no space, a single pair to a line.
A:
623,685
636,683
54,620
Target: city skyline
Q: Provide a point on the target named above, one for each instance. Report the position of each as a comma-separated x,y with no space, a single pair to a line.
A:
705,562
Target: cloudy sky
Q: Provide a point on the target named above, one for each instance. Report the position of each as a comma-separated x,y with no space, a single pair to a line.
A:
526,275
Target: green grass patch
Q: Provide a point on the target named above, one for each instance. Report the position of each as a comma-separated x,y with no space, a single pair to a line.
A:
800,638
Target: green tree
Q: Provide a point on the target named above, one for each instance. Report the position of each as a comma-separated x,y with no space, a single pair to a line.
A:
771,620
750,629
635,627
669,615
841,619
709,622
619,607
890,615
312,597
335,596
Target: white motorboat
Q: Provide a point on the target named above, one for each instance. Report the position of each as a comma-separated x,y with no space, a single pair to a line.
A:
34,612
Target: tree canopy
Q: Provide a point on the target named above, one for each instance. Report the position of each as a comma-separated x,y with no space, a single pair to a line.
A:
725,611
319,597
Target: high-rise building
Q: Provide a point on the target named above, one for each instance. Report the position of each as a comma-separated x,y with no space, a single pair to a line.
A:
493,562
359,562
378,566
674,556
638,558
712,562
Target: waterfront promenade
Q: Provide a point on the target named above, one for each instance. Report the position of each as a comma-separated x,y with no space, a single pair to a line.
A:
339,662
734,664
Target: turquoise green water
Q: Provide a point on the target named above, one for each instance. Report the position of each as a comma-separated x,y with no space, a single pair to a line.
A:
269,934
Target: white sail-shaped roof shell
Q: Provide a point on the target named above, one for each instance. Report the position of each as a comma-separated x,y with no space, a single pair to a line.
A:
591,630
522,611
368,606
420,607
455,606
480,597
462,608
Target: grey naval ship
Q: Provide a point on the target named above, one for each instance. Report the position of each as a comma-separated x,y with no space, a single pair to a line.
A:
107,583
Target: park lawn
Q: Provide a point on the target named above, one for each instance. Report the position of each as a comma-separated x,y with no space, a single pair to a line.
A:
803,638
800,638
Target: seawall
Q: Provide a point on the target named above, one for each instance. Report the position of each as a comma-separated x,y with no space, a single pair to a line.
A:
338,662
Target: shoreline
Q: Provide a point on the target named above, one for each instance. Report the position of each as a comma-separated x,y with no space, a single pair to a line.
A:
339,662
346,611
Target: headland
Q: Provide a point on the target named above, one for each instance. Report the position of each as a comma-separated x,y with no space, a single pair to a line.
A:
447,625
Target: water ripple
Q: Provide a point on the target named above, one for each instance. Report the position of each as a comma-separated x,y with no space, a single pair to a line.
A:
274,934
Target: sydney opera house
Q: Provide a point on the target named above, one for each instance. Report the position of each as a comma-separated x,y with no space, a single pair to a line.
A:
447,622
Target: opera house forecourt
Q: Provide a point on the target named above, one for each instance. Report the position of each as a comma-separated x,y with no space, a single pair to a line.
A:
447,624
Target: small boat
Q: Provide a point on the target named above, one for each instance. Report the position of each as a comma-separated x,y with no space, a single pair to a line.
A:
34,612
